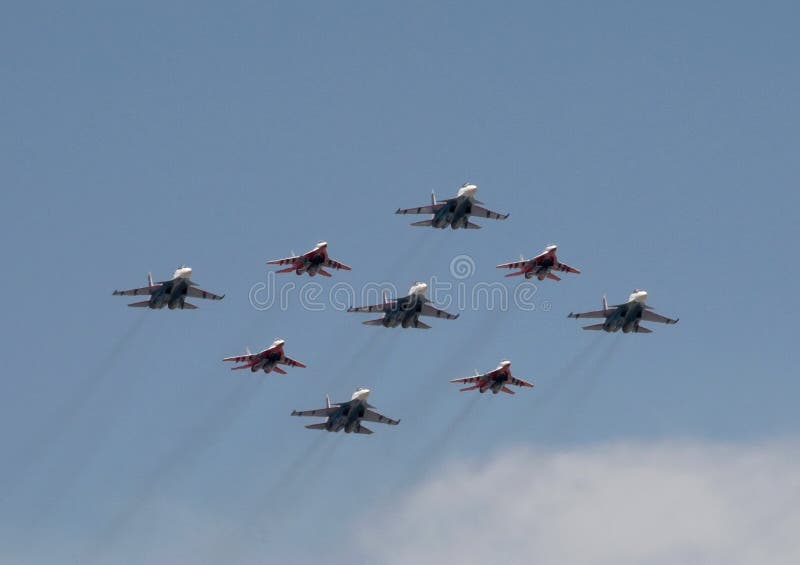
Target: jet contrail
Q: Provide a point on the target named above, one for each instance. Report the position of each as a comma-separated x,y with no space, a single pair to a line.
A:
61,422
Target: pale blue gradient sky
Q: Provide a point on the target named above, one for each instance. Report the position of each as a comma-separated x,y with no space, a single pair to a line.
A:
657,145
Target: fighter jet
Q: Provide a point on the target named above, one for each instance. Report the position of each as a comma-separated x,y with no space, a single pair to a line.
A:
171,293
454,212
625,317
266,360
496,380
539,266
347,416
405,311
311,262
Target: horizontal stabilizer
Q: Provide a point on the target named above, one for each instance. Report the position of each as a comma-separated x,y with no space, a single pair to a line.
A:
278,370
423,223
187,306
507,390
142,304
469,388
287,269
419,324
472,226
643,330
518,273
316,426
378,322
362,430
323,272
595,327
241,367
553,277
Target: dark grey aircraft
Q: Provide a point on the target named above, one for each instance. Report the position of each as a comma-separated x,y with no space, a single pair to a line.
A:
454,212
171,293
405,311
625,317
348,415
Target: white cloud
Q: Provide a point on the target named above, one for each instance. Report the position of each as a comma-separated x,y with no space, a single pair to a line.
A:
669,503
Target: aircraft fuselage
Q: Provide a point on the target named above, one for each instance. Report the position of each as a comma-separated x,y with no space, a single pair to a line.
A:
455,213
626,318
171,294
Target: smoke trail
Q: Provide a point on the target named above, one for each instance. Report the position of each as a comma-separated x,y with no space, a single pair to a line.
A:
230,543
599,367
563,378
428,456
53,431
183,455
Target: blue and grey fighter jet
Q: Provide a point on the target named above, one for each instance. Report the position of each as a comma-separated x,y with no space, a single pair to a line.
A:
348,415
405,311
454,212
171,293
625,317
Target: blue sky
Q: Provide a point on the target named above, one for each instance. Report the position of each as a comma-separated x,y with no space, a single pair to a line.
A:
657,145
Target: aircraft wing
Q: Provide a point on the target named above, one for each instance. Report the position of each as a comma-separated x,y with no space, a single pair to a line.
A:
566,268
373,416
514,265
431,310
481,212
385,307
336,264
243,358
651,316
519,382
285,261
147,290
467,380
592,314
429,209
292,362
318,413
196,292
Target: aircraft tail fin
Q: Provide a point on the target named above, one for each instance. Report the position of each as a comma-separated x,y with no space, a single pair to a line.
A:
507,390
472,226
187,306
150,279
423,223
142,304
605,304
553,277
594,327
419,324
320,426
433,198
378,322
362,430
643,330
327,401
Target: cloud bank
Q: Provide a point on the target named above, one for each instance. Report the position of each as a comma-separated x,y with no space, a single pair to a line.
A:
632,503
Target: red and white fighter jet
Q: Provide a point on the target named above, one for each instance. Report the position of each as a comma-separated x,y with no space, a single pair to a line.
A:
311,262
496,380
266,360
539,266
